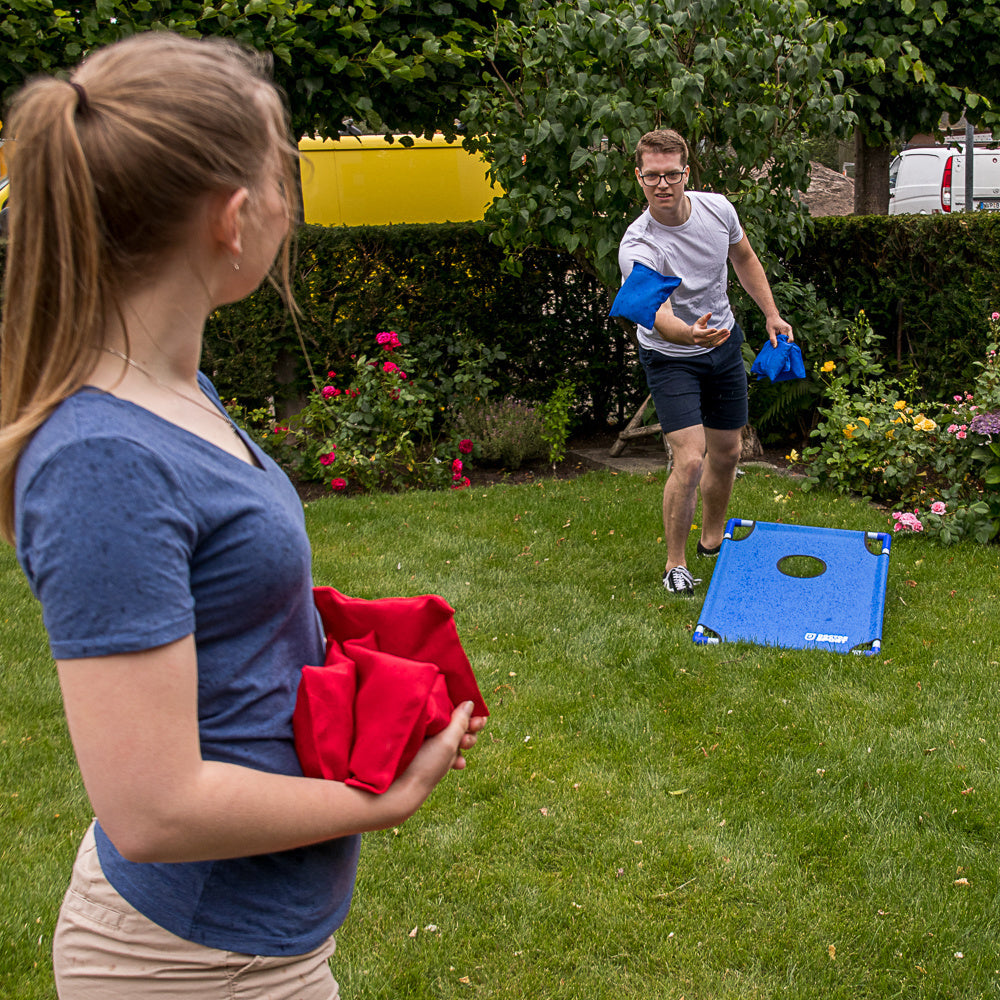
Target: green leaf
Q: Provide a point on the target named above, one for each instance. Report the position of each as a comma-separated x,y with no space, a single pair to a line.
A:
637,37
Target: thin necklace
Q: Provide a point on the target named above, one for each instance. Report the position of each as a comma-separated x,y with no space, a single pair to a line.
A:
207,407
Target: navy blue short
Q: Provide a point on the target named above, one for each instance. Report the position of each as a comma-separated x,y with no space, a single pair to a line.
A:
708,389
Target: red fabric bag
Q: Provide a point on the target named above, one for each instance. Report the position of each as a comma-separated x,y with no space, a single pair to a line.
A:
394,671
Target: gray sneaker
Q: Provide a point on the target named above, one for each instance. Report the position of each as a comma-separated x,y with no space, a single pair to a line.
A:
680,581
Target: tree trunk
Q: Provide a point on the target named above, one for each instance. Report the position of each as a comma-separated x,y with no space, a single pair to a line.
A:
871,176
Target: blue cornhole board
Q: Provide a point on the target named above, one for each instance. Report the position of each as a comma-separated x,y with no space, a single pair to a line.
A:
752,597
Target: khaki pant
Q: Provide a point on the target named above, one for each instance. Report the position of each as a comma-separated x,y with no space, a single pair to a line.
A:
104,949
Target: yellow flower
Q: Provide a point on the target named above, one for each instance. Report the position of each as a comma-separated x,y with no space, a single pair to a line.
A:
865,421
890,435
900,404
792,456
828,367
849,430
923,423
900,420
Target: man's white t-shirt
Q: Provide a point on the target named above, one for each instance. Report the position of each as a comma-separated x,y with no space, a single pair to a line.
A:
697,252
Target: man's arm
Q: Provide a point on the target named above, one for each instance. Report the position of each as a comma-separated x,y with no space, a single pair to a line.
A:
674,330
750,273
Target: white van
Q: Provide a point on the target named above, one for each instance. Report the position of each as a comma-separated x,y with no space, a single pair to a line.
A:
931,179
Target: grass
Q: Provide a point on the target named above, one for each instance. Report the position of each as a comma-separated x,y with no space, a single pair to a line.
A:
643,817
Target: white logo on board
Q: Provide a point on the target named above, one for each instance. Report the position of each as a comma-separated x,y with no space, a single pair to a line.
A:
824,637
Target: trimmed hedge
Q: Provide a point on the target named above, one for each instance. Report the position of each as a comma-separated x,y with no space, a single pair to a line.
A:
926,283
435,281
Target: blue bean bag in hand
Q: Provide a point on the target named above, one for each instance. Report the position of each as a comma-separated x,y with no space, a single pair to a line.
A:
781,363
643,292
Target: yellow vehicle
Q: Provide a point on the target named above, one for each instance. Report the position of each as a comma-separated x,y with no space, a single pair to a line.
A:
365,181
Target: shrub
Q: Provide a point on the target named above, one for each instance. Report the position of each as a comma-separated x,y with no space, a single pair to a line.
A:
507,432
377,428
940,458
781,411
555,414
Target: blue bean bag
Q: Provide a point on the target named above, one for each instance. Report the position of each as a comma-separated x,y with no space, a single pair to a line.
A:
642,293
779,364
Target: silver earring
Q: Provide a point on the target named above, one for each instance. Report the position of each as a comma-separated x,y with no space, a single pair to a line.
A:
236,265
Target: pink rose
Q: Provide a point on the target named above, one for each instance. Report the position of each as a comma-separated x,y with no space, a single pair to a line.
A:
388,339
338,484
456,467
958,399
465,446
328,459
328,391
961,435
331,374
461,484
938,507
390,366
995,316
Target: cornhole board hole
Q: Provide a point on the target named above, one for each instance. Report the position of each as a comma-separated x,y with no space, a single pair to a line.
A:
798,587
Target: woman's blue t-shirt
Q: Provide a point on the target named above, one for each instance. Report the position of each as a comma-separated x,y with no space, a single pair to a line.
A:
134,533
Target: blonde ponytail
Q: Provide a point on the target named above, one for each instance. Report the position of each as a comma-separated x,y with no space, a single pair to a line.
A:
51,290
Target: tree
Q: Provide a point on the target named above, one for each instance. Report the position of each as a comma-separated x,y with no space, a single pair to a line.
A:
908,63
569,94
397,64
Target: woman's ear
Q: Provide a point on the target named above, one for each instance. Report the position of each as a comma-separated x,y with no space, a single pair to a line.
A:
227,220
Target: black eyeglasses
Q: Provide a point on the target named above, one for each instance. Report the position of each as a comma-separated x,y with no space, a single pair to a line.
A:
671,177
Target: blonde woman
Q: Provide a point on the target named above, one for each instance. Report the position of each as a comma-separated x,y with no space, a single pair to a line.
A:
168,552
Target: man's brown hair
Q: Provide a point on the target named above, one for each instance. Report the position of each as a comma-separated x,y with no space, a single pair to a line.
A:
662,140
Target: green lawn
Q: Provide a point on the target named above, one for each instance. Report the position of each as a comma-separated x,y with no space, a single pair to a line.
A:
643,817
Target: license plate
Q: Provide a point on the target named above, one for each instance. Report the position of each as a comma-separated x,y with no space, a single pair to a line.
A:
989,205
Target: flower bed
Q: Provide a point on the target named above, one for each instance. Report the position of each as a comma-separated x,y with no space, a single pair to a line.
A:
940,458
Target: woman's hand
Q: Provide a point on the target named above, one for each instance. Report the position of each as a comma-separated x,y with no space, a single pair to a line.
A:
438,755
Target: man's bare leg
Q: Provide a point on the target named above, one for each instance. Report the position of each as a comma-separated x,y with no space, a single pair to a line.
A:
722,455
680,492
